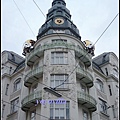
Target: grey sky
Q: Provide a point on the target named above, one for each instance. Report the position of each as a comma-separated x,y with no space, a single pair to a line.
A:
90,16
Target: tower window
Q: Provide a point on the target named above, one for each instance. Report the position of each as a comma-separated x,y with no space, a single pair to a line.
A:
50,15
59,2
110,90
60,111
59,12
59,40
106,71
59,58
6,92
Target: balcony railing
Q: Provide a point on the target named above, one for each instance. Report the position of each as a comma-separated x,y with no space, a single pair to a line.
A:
85,76
32,76
30,100
87,101
37,52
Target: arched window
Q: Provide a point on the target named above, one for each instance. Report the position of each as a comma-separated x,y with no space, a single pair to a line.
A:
99,84
17,85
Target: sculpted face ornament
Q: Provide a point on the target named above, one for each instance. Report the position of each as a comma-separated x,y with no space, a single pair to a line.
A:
28,46
89,47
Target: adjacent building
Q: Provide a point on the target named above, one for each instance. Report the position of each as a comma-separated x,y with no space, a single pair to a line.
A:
59,79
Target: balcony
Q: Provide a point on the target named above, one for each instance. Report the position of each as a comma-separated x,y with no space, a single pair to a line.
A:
32,76
39,51
87,101
30,100
84,76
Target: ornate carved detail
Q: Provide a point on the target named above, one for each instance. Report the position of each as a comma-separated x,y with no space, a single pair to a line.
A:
46,78
47,59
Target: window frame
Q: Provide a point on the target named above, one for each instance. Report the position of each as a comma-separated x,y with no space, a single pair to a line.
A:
6,90
102,106
100,85
14,105
59,57
56,78
64,107
17,83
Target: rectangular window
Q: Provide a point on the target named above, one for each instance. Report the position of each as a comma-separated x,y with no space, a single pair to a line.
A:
14,105
106,71
6,92
59,40
57,79
59,111
85,115
113,109
33,115
17,85
59,58
3,109
103,106
110,90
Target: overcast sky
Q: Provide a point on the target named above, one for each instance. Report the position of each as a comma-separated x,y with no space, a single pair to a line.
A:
90,16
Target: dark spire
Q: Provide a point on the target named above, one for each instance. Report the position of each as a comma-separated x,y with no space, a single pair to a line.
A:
58,18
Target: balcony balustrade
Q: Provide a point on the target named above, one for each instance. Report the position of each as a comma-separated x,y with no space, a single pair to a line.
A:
30,100
87,101
84,76
39,51
32,76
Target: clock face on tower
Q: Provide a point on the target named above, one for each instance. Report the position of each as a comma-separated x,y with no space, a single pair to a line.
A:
59,21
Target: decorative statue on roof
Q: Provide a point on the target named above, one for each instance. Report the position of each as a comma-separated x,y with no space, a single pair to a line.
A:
89,47
28,46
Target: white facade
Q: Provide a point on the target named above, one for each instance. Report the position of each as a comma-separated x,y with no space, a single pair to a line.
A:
87,88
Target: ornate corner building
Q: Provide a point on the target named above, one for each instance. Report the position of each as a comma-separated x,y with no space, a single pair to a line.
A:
58,79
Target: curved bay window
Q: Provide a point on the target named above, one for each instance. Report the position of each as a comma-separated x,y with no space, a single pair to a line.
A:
99,84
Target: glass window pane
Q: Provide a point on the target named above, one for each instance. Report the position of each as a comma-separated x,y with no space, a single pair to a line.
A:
57,112
51,113
52,83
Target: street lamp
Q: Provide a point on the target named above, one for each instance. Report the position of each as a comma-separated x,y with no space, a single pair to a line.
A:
52,91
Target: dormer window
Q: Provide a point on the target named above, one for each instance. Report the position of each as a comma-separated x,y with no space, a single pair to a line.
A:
59,12
115,72
59,2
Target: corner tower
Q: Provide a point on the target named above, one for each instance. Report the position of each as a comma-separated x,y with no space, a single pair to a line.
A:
58,71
